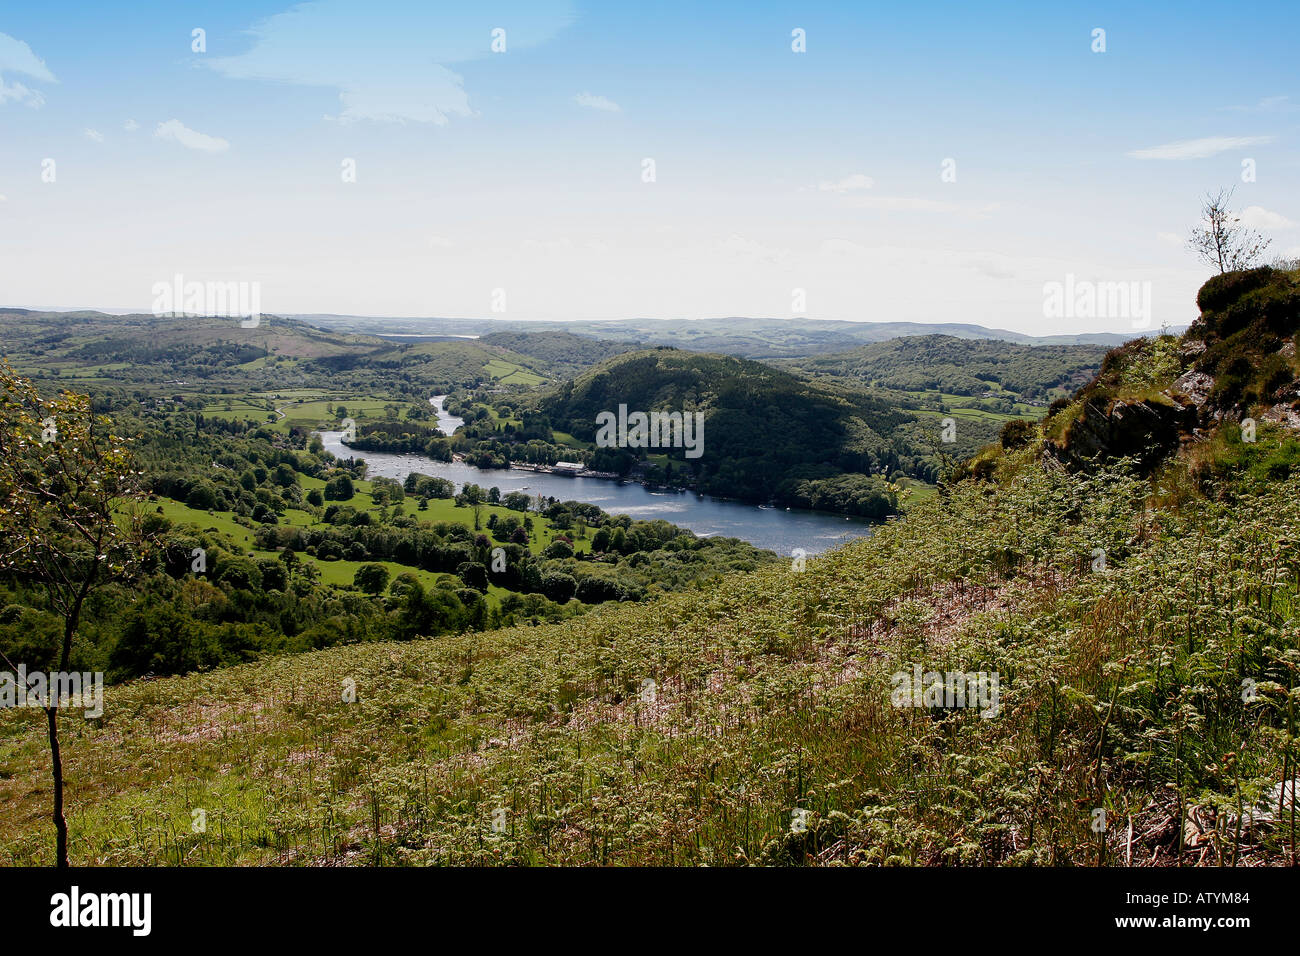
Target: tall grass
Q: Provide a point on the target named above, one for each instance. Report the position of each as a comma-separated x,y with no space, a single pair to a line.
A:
768,735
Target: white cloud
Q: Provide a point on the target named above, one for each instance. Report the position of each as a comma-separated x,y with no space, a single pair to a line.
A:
847,184
130,126
17,93
17,57
597,103
177,132
94,135
440,242
1170,237
387,58
1199,148
1268,104
4,198
1257,217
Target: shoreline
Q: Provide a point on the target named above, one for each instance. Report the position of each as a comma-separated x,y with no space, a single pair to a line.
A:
459,459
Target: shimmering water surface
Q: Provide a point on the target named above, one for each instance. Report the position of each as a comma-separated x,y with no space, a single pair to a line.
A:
775,528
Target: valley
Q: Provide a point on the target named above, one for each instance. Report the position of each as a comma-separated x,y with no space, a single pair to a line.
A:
624,689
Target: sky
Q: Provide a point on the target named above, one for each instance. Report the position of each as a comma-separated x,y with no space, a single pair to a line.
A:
931,162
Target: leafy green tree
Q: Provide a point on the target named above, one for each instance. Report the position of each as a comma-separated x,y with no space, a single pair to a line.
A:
559,548
371,578
339,488
558,586
474,574
67,483
202,497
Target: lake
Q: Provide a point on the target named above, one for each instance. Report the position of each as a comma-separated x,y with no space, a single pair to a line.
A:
777,529
447,424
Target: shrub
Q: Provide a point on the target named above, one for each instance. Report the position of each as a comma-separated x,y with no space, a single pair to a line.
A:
1016,433
1222,290
559,548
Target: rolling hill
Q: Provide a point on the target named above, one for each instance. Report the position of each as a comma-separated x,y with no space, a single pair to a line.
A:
280,353
767,432
757,338
968,367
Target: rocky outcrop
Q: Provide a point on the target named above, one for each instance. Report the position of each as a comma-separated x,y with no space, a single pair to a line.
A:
1194,385
1238,360
1146,430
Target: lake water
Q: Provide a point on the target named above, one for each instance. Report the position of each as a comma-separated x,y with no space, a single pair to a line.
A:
447,424
775,528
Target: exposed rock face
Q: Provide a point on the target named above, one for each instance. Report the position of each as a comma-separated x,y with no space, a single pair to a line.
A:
1238,360
1282,415
1195,385
1147,430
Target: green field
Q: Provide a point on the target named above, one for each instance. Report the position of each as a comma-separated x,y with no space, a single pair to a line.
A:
508,373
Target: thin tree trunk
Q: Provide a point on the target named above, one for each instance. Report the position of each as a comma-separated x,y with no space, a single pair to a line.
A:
56,761
51,715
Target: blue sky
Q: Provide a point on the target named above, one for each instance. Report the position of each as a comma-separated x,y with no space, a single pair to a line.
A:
522,170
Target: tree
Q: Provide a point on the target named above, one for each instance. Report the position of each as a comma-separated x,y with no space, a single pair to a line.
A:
425,613
475,497
473,574
202,497
371,578
339,488
1220,242
66,486
559,548
558,586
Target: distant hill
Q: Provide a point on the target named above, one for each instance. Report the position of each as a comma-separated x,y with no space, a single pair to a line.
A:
564,353
769,435
279,353
745,337
774,338
147,349
562,347
960,366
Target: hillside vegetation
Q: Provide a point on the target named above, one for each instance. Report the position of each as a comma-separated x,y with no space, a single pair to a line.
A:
946,364
280,353
1138,610
564,353
979,384
768,435
302,552
754,338
800,337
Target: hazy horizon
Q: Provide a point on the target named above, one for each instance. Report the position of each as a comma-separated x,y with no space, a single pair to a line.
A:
1120,329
